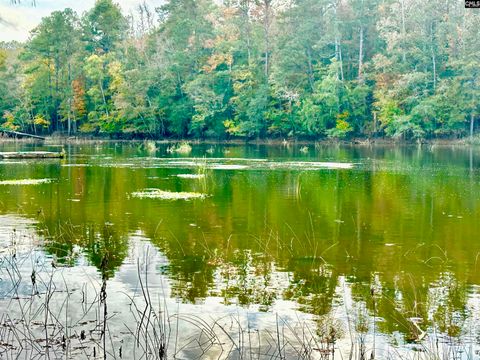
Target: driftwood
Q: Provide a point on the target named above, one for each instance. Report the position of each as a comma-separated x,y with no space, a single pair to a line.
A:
32,155
16,133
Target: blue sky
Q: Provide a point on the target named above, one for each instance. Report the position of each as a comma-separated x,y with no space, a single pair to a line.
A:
19,19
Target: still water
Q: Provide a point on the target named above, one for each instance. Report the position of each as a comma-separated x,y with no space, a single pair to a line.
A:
392,233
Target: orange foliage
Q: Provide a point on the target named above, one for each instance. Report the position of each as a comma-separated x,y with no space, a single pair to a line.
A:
217,59
79,106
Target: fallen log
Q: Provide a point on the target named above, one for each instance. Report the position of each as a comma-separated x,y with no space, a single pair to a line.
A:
17,133
32,155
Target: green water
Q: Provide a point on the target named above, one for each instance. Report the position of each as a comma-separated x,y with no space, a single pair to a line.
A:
403,224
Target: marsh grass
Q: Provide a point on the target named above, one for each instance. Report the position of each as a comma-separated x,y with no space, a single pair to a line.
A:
475,140
11,139
183,148
304,149
45,316
150,146
55,321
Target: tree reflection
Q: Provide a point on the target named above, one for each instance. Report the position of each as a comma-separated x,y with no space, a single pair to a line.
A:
403,223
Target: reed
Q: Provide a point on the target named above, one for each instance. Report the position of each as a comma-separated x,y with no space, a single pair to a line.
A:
45,316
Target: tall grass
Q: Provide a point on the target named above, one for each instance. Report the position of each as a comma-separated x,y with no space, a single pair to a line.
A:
44,315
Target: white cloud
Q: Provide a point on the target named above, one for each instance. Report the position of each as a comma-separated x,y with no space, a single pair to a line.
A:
18,20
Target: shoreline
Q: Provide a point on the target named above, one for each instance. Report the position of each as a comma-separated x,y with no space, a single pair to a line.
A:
259,142
49,140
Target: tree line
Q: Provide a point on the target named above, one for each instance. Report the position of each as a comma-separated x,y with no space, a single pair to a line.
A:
248,68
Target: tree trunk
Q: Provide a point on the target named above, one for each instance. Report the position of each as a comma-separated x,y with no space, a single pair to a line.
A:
57,87
337,57
245,6
434,62
404,56
472,123
310,69
434,65
338,49
70,99
50,88
69,117
341,62
360,56
104,99
266,28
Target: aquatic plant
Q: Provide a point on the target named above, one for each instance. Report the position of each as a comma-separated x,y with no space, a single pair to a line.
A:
167,195
25,182
191,176
183,148
150,146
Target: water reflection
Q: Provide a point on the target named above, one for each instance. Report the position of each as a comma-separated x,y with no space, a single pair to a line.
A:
400,228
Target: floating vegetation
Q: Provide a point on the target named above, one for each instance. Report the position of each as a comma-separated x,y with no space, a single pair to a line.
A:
210,150
14,162
191,176
183,163
75,165
25,182
228,159
203,164
228,167
32,155
150,146
167,195
121,165
183,148
313,165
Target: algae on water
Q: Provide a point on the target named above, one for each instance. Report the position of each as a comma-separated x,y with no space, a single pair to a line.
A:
228,167
191,176
25,182
167,195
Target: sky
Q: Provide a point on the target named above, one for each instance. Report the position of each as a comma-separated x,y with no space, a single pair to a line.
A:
16,21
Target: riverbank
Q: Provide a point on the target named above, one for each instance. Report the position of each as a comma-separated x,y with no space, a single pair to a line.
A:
239,141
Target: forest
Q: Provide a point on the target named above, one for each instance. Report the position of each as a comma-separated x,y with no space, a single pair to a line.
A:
251,69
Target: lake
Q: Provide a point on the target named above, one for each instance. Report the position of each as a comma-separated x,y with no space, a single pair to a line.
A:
362,248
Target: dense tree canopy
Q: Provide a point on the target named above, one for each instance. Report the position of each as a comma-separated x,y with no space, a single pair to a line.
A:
249,68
